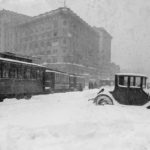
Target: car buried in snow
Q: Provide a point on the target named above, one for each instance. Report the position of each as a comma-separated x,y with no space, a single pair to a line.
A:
129,89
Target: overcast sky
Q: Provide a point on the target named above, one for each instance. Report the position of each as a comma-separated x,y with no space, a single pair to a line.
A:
128,21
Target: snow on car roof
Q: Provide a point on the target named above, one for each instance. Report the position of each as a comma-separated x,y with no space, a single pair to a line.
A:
131,74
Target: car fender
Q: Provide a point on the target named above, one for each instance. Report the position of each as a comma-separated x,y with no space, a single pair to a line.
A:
106,92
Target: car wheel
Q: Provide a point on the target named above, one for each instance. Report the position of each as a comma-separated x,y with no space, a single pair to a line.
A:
27,96
1,99
104,100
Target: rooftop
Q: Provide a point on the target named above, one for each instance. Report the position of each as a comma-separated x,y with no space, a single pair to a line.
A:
131,74
3,11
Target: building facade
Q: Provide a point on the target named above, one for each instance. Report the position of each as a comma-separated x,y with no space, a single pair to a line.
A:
60,39
107,69
104,46
8,22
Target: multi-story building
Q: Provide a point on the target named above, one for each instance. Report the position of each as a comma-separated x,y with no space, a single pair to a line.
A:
8,22
60,39
106,67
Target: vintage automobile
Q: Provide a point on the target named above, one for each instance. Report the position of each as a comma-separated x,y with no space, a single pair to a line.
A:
129,89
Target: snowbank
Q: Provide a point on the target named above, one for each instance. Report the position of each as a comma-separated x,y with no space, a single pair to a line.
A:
68,121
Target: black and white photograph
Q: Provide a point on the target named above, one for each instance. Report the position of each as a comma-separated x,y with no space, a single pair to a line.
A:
74,74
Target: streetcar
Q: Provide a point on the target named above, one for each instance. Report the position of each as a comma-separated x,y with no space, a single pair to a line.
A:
23,78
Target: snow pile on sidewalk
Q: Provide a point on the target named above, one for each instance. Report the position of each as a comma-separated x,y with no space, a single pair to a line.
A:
68,121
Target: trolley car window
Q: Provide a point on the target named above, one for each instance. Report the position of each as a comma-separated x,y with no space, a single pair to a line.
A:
41,74
20,72
5,70
38,74
26,73
0,69
33,73
13,71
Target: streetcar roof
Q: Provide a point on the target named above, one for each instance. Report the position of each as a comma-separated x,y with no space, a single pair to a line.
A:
20,62
27,63
56,71
33,64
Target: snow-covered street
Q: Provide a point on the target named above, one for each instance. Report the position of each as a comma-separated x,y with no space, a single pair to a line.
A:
68,121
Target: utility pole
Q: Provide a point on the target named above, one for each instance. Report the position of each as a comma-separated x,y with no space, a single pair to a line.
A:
64,3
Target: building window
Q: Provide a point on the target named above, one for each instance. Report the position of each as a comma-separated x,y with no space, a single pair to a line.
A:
48,34
55,33
26,39
54,51
64,22
74,26
49,51
55,23
64,41
49,60
64,50
36,45
30,38
55,42
48,43
54,59
24,47
42,44
49,25
31,45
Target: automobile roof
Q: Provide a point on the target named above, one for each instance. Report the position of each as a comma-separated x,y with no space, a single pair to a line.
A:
131,74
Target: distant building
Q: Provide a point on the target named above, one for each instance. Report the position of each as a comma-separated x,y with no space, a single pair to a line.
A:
104,45
61,40
106,68
114,69
8,22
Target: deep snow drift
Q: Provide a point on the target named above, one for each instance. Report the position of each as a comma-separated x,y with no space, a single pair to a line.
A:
68,121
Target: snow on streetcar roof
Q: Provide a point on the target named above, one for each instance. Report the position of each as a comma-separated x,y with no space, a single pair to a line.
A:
21,62
32,64
51,70
131,74
27,63
65,73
